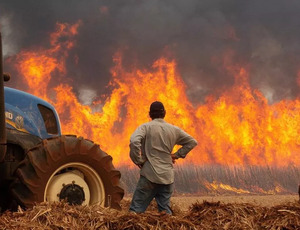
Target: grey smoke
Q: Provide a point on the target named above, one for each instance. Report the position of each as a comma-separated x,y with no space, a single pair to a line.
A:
194,32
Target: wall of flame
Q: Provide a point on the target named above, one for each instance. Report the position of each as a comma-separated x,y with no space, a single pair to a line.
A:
237,128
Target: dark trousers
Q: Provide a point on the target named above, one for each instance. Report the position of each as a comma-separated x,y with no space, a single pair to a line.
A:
146,191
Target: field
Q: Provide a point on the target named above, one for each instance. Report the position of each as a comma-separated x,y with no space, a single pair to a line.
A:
219,180
203,212
205,197
262,200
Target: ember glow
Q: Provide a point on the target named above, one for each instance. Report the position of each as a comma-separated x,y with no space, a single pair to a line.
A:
237,128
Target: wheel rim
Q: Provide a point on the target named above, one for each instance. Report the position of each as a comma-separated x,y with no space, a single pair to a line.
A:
83,176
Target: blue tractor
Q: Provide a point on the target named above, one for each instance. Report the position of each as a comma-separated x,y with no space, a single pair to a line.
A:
38,163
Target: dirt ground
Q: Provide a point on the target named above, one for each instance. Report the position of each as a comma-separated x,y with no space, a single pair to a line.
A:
184,202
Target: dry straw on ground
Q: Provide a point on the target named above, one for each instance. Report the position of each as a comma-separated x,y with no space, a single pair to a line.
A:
205,215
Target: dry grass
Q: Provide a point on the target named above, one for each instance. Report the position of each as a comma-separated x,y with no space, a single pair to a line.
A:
201,215
219,179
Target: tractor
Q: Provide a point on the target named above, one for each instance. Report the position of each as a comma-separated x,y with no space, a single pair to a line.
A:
39,164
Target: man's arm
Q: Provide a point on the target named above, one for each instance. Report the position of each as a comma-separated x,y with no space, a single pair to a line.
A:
187,142
135,146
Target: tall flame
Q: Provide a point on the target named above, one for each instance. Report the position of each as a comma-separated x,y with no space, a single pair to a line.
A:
239,127
38,66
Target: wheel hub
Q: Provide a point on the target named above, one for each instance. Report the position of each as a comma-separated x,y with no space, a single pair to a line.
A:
70,186
79,174
73,194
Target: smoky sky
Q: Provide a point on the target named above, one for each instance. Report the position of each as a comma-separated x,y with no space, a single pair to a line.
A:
198,34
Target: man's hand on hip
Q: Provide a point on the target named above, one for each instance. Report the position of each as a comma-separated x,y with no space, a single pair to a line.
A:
141,165
174,158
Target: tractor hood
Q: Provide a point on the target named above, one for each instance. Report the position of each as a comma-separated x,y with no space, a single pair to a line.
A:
30,114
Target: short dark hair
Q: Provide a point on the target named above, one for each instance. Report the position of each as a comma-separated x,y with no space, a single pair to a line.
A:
157,110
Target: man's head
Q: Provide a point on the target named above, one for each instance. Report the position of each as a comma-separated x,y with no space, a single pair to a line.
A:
157,110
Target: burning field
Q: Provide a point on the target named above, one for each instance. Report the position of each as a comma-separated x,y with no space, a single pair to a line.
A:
227,73
222,180
239,127
201,215
246,144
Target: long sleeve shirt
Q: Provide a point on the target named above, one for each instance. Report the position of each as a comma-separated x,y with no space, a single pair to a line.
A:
151,146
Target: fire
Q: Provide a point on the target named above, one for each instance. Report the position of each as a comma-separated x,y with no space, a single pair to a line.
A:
37,66
237,128
215,186
221,188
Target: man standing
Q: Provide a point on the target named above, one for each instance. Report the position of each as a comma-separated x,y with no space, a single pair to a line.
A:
151,148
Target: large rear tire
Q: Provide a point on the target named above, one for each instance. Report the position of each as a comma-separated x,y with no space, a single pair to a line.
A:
71,168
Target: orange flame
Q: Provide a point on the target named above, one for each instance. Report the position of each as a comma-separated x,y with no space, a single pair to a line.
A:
215,186
237,128
37,66
222,188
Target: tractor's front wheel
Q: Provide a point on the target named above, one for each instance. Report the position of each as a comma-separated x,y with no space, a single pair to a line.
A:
67,168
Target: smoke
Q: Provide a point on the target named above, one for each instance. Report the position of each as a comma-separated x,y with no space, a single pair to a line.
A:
10,47
262,35
87,96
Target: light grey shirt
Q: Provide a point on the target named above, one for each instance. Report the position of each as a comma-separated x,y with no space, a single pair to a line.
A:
151,146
